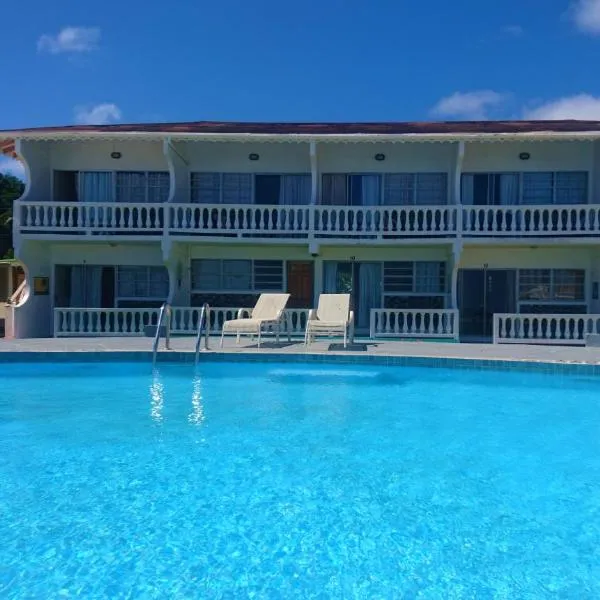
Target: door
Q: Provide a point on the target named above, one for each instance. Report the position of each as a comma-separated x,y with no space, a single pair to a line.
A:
481,294
300,280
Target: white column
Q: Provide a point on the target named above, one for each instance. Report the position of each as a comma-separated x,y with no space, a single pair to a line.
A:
456,253
314,173
318,280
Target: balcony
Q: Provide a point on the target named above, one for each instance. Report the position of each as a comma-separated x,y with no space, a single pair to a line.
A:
382,223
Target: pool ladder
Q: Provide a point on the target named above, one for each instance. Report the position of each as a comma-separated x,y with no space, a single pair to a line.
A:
163,317
203,319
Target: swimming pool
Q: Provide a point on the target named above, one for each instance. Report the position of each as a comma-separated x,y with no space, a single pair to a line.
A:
266,480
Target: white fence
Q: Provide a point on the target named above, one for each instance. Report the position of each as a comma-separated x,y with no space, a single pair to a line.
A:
239,219
75,217
69,322
320,221
414,323
544,328
580,219
384,221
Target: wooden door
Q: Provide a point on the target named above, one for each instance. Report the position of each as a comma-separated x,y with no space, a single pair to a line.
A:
300,281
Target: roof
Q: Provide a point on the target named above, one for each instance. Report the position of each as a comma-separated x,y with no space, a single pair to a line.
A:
397,131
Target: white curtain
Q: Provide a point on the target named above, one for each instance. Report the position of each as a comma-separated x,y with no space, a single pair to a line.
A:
95,186
427,277
369,289
468,189
77,299
86,286
335,190
509,189
94,286
330,277
371,190
296,189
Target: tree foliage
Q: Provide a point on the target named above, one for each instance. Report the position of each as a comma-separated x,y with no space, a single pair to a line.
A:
11,188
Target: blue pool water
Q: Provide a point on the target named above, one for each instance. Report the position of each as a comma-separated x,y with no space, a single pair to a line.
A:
269,481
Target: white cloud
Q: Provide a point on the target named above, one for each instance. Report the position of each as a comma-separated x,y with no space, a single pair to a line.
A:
70,39
586,15
12,167
581,106
469,105
514,30
101,114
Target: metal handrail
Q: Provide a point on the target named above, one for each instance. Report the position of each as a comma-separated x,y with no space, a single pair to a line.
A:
203,318
165,312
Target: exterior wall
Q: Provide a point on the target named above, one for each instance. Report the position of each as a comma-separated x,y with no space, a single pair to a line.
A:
95,156
233,157
548,257
39,180
105,254
545,156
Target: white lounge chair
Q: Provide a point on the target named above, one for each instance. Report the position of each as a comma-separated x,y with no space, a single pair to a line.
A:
333,316
268,311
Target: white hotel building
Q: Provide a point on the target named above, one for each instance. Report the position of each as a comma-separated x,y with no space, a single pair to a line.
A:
436,229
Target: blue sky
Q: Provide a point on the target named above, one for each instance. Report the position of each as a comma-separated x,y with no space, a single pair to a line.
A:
338,60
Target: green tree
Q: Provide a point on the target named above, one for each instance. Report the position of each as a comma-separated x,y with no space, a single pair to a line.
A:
11,188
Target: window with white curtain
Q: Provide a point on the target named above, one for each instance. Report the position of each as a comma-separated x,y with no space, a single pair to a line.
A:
142,282
247,188
531,188
142,186
414,277
345,189
415,189
216,275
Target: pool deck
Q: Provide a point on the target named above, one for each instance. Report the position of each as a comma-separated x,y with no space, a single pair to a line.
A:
379,348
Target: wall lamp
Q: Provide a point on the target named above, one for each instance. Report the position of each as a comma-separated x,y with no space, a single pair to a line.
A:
524,156
253,156
115,155
379,157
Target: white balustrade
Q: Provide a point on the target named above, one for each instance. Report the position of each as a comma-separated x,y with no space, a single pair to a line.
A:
94,322
384,221
92,217
543,220
185,319
239,219
378,222
414,323
555,329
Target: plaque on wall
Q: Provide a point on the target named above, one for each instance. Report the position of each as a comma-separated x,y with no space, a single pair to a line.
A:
41,286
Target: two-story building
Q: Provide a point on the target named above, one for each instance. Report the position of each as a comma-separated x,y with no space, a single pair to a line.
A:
433,228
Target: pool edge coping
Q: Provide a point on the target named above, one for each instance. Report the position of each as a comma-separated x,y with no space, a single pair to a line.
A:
469,363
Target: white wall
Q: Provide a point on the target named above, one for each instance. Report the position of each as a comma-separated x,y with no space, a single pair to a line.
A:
544,156
233,157
399,158
95,156
37,156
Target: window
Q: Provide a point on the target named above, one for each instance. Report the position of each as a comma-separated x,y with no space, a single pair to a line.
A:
237,188
212,275
505,189
421,277
142,186
551,285
415,188
142,282
351,190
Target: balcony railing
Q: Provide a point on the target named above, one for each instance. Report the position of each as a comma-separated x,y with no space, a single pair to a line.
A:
552,329
318,222
517,221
